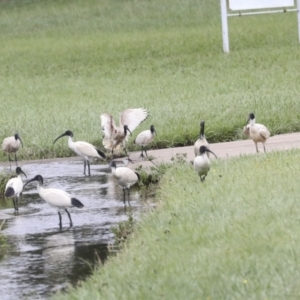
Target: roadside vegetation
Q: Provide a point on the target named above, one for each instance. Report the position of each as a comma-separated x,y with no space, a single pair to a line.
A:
236,235
63,63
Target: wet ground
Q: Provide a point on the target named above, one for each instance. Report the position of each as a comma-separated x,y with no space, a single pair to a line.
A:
44,259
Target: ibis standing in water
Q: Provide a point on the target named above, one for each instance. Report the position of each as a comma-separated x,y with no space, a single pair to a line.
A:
14,188
86,150
201,140
145,138
57,198
202,162
257,132
125,178
11,145
116,137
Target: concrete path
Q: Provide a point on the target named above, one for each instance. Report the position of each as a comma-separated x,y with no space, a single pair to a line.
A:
222,150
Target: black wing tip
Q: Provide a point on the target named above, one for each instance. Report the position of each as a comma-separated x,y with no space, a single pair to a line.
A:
138,175
75,202
102,154
9,192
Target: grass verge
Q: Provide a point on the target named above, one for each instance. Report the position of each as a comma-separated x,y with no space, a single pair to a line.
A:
236,235
63,63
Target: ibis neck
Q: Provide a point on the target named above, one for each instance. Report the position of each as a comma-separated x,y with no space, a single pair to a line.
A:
252,121
70,142
202,132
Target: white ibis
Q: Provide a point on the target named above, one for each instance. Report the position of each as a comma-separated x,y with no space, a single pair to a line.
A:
145,138
125,178
202,162
117,136
257,132
57,198
11,145
86,150
14,187
201,140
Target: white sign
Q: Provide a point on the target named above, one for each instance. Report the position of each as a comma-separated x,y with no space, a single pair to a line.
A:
258,4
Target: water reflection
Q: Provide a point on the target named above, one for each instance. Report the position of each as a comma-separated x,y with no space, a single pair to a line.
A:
44,258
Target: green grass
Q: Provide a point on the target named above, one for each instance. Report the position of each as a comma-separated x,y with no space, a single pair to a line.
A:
63,63
235,236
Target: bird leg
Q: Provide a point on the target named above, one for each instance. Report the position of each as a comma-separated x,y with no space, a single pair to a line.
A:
16,160
128,199
142,154
265,148
89,167
84,166
71,223
9,161
256,147
59,220
15,200
202,178
125,151
124,197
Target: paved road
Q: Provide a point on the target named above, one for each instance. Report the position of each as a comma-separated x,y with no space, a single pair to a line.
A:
222,150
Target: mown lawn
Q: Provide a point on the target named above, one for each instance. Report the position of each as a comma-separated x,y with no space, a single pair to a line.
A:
235,236
63,63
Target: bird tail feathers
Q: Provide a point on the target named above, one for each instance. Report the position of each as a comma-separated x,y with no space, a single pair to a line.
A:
9,192
76,203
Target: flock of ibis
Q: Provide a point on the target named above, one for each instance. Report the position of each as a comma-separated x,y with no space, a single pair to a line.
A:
114,140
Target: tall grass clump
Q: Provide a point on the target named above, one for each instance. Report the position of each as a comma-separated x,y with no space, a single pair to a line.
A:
63,63
235,236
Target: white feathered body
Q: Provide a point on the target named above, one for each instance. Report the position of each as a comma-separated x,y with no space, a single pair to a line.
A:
257,132
11,144
145,138
200,142
114,136
55,197
125,177
202,164
83,149
16,184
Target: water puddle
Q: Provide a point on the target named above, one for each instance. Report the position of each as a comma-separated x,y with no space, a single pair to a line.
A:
45,259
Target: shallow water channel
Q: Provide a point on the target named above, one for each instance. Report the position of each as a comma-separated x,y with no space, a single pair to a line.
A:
44,259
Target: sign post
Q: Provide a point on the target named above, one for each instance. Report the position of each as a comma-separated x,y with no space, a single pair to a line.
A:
262,6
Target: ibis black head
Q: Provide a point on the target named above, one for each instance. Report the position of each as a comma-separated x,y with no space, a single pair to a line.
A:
204,149
20,171
67,133
112,164
17,137
38,178
251,117
126,128
202,125
152,129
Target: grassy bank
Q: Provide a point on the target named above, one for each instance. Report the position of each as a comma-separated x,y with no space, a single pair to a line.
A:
63,63
236,236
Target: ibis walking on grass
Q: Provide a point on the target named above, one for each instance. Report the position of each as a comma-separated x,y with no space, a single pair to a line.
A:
145,138
57,198
201,140
125,178
11,145
257,132
202,162
86,150
14,188
116,137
